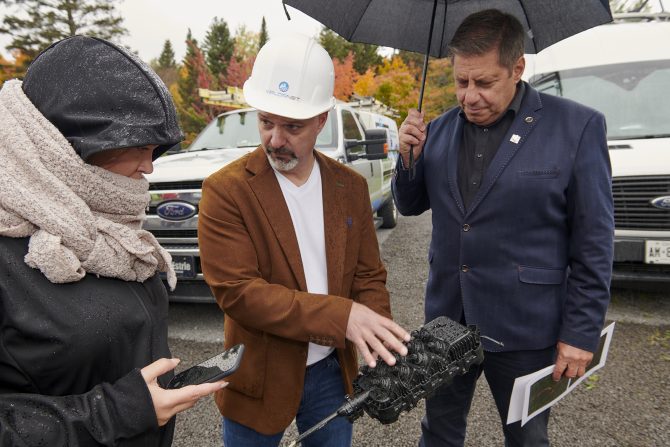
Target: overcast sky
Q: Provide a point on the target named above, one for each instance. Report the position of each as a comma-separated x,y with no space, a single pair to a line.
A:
151,22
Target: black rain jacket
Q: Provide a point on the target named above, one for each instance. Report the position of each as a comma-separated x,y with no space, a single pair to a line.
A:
70,356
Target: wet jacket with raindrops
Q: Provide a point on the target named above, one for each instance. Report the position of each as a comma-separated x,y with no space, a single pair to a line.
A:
70,357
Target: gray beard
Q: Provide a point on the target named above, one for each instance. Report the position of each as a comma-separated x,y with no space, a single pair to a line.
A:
283,166
280,165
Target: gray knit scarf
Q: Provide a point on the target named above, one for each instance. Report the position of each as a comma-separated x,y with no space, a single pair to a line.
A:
80,218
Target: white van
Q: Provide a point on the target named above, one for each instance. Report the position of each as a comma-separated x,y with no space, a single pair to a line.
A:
176,183
623,70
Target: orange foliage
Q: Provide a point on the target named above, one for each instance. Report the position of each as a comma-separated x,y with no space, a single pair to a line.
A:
16,68
239,69
366,84
345,76
397,85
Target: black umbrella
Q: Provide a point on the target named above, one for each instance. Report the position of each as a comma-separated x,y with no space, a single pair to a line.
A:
424,26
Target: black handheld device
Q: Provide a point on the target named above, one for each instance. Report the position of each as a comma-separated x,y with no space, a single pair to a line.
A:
210,370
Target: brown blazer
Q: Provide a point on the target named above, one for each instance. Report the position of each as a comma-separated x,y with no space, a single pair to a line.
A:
251,260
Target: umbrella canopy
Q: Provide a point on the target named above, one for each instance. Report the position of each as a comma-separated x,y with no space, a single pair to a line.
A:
427,26
404,24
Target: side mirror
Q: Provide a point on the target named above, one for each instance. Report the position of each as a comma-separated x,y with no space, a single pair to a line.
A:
376,145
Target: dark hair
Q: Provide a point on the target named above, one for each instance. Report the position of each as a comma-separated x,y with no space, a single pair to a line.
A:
486,30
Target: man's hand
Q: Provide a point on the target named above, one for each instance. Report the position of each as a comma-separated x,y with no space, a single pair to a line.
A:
375,335
571,362
412,132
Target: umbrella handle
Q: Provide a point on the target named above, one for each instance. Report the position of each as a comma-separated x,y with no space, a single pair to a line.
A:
412,167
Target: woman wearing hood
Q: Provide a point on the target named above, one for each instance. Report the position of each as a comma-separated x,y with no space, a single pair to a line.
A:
83,311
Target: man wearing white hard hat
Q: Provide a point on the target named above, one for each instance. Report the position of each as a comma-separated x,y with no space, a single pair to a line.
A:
289,249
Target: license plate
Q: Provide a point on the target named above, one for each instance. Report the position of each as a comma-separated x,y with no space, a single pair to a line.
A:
657,252
184,266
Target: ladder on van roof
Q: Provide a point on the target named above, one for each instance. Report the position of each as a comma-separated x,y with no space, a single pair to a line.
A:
371,104
641,17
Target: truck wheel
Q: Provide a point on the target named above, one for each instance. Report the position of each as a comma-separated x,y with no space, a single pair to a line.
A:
389,214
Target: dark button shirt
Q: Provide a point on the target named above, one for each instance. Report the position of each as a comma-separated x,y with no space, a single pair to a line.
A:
480,144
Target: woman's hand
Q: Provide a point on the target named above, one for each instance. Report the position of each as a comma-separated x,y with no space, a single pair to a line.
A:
167,403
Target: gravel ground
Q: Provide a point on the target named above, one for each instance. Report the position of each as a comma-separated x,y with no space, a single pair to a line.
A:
626,404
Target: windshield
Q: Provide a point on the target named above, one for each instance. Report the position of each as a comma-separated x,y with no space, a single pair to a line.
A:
239,130
634,97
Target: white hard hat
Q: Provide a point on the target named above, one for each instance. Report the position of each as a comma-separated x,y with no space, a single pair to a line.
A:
293,77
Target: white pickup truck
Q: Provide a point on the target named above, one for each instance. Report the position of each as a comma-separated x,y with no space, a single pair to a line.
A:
365,141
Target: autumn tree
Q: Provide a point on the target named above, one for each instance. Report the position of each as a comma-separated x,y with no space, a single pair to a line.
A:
412,59
16,68
219,48
263,35
397,86
6,69
242,61
366,84
440,92
194,114
365,56
35,24
246,43
345,76
239,69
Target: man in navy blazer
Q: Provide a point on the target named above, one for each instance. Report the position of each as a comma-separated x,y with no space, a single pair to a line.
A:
519,184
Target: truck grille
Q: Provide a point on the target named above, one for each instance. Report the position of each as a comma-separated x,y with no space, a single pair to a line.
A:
175,233
632,207
164,186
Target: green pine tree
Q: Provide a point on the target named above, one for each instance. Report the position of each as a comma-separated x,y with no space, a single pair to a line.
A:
263,35
218,46
365,55
166,59
335,45
35,24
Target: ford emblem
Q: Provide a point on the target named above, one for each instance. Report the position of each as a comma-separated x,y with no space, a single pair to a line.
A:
661,202
175,210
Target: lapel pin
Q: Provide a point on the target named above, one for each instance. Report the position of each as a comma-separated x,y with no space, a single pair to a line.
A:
528,119
350,221
515,139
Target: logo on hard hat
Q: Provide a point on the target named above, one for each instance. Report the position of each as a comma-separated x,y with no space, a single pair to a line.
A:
283,86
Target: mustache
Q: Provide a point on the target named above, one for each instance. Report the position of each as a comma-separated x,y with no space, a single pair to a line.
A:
279,151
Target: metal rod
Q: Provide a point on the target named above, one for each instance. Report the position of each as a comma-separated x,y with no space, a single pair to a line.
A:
318,426
348,409
411,167
427,55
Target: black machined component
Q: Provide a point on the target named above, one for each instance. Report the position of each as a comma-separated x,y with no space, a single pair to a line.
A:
437,352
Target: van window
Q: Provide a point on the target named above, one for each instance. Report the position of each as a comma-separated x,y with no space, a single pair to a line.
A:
634,97
327,139
352,132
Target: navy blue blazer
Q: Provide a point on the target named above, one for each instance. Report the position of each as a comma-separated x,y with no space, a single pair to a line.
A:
530,261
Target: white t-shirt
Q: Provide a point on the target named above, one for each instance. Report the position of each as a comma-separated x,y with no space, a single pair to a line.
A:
305,204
